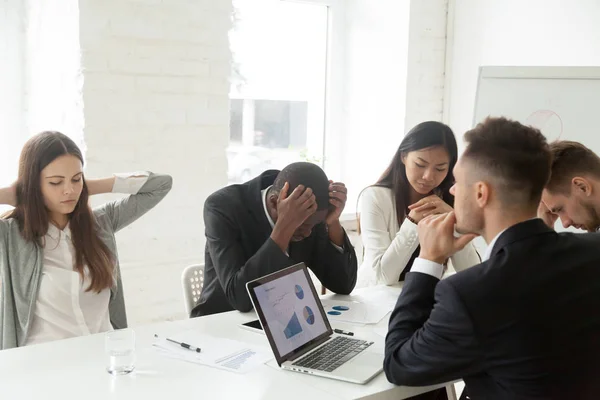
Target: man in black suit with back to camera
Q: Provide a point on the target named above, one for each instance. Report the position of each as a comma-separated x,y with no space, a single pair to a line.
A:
523,324
269,223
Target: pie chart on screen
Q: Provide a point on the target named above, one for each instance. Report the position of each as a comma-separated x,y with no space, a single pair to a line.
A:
309,316
299,292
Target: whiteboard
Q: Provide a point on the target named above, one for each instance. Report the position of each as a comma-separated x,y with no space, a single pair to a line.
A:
563,102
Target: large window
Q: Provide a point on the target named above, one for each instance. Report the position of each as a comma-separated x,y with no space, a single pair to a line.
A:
40,77
279,86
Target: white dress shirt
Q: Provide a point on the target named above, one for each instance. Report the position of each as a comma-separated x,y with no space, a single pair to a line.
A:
488,250
63,308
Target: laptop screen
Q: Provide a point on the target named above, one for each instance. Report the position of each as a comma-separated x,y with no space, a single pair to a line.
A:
291,310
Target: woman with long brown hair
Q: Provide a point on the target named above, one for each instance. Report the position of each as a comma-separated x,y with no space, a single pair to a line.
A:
416,184
58,258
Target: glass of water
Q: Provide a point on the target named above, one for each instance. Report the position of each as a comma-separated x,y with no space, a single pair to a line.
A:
120,348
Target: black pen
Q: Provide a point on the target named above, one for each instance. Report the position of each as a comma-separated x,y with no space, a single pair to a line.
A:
341,332
184,345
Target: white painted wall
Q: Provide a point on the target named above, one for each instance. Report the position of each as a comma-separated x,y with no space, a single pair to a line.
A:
155,94
516,32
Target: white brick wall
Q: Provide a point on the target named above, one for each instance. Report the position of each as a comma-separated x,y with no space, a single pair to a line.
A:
156,97
426,61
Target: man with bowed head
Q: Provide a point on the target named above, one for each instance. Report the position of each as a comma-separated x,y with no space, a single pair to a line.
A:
272,222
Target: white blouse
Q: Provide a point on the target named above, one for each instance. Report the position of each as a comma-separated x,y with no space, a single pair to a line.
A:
388,247
63,308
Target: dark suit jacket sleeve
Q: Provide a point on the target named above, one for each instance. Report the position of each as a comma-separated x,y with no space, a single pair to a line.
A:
429,340
335,269
233,269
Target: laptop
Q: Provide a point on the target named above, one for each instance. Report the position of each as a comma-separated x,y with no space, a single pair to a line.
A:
299,332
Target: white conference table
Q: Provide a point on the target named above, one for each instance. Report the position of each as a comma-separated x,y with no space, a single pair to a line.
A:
75,368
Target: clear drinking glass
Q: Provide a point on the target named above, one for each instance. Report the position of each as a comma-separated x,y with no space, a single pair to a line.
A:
120,348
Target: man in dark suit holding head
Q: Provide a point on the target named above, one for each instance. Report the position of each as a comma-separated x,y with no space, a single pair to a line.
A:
523,324
269,223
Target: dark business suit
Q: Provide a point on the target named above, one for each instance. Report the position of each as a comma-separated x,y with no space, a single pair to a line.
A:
239,249
524,324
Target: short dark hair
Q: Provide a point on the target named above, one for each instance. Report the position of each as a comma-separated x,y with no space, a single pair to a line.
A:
310,176
516,157
570,159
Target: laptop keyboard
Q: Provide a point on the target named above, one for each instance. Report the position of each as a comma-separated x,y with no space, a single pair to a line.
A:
333,354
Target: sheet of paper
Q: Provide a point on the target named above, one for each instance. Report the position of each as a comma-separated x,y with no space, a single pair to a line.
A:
355,312
381,331
226,354
382,295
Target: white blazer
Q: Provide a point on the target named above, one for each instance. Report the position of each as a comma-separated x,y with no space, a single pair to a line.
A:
389,247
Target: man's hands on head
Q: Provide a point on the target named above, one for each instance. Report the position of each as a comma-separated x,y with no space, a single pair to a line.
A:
437,240
292,212
338,194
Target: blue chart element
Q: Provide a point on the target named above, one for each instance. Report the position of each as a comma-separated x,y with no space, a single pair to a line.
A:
334,313
309,316
293,327
341,308
299,292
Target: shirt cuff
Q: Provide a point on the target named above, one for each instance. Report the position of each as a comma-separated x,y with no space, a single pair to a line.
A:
428,267
130,183
338,248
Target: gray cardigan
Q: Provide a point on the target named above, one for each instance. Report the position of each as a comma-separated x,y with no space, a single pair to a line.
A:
21,261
